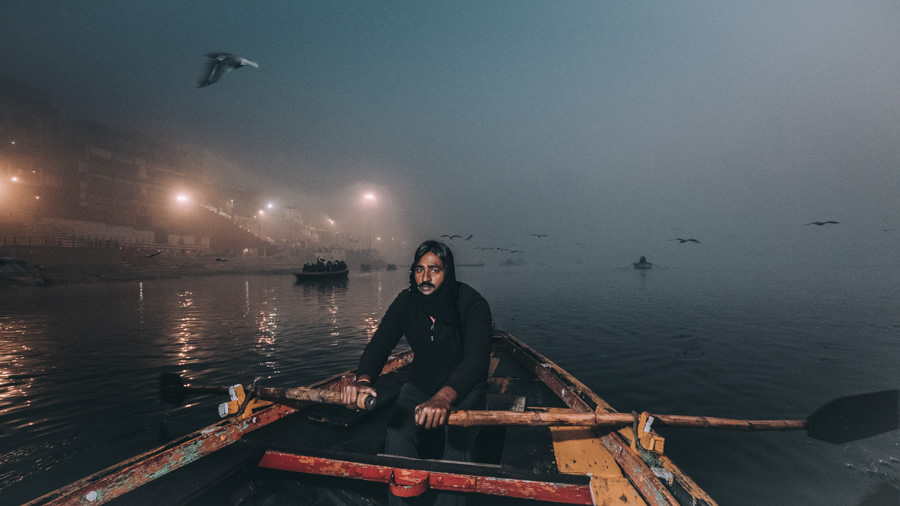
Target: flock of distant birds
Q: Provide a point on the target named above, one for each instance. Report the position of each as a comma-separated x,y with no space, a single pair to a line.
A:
680,240
450,237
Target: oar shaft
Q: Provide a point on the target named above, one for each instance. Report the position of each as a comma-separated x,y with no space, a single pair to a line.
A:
298,394
728,423
468,418
311,395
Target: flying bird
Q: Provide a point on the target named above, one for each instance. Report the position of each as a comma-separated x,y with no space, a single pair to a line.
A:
682,241
539,235
221,64
450,236
470,236
820,223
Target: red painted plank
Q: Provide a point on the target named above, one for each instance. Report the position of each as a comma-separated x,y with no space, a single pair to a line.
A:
563,493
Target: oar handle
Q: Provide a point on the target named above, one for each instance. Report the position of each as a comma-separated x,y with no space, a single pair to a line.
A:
467,418
363,401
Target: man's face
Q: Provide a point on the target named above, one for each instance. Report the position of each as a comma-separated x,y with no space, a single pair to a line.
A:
429,273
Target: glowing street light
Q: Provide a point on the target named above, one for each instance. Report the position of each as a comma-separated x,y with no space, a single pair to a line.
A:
368,200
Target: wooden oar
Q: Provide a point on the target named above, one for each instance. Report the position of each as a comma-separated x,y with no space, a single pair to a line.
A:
174,390
840,421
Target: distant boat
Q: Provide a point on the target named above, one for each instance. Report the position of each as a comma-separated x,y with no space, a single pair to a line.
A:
642,264
303,277
14,271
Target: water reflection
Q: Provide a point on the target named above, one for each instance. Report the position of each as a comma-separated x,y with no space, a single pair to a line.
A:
185,324
327,296
267,328
14,385
697,340
140,308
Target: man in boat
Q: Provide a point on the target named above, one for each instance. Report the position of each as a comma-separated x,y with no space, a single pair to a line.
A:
448,325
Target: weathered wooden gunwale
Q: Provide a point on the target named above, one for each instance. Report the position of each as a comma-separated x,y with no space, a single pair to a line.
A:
525,462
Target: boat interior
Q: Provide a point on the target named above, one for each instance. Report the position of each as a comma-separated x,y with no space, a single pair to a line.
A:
326,454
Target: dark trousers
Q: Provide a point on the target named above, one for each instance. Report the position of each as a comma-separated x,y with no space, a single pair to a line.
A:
404,438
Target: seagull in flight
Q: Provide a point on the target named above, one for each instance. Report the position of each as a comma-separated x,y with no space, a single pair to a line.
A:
682,241
820,223
221,64
470,236
539,235
450,236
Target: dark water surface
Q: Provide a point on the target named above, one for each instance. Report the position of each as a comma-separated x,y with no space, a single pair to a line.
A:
79,364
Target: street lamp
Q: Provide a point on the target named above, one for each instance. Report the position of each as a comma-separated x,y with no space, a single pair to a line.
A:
182,200
369,200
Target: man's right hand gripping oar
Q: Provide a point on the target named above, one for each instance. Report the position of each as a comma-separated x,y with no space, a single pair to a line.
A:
357,390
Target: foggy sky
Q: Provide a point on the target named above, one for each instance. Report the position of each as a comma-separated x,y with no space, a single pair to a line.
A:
611,126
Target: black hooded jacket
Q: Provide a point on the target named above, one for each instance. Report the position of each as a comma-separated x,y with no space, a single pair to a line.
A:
456,353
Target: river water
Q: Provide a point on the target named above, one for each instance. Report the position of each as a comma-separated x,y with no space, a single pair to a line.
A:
79,364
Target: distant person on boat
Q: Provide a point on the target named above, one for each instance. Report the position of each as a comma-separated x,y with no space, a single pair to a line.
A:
322,266
448,325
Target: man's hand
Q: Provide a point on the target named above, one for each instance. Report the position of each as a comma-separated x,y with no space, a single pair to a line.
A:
435,412
354,388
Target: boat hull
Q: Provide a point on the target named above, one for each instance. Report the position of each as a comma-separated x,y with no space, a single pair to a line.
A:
328,451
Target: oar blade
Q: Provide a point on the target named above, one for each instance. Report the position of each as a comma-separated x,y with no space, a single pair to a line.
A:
172,389
855,417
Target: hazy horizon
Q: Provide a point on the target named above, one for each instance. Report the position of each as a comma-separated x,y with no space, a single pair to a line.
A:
612,127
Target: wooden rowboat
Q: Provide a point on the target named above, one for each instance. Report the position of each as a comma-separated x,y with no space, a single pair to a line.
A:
303,277
305,452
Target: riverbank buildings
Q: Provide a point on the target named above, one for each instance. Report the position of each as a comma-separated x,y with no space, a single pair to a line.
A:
65,181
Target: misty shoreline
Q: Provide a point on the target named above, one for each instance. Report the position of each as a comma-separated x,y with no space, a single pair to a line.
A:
52,266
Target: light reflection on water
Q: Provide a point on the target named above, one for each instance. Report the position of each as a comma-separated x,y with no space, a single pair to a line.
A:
80,363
